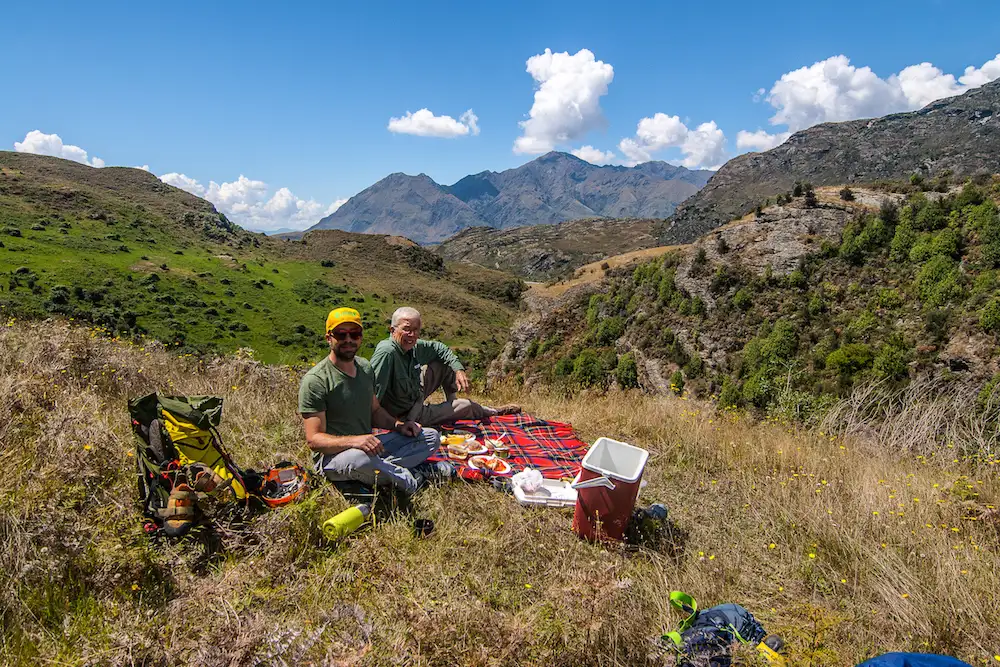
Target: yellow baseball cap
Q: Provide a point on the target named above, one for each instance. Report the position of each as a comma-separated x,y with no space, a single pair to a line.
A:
340,316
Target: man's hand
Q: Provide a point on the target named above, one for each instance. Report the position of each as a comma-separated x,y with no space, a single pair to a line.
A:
411,429
369,444
461,381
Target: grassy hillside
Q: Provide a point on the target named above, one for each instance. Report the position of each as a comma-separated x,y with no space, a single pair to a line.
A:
118,248
844,546
787,311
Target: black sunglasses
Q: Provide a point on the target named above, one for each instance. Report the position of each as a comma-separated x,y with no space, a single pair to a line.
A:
343,335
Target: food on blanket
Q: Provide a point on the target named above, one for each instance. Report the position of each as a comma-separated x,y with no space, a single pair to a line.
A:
458,438
499,447
491,463
458,450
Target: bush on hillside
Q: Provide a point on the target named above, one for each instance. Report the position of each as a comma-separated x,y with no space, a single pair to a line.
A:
846,194
609,330
937,281
587,369
989,318
627,372
677,383
849,359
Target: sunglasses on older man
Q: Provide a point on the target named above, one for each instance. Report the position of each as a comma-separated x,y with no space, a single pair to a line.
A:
344,335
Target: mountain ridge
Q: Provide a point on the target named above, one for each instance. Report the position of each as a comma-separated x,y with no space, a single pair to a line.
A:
958,134
553,188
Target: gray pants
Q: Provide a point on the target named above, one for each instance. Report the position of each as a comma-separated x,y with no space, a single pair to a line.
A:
393,466
437,375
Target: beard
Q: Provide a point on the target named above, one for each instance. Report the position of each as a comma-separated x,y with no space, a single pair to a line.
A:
344,355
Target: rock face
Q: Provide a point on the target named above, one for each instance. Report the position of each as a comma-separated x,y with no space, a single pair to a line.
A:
961,134
553,188
545,252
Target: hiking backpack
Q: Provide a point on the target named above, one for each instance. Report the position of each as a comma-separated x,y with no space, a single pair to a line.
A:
706,637
178,443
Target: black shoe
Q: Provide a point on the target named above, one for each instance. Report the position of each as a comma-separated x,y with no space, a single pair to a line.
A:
436,473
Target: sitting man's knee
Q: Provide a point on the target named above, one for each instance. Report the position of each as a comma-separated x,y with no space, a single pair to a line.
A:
352,460
431,439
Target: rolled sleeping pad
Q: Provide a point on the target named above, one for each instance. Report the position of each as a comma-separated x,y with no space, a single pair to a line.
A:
913,660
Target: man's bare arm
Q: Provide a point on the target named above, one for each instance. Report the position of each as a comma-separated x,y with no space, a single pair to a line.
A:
382,419
320,441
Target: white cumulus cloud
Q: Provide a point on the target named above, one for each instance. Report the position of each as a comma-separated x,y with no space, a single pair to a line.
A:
567,101
761,140
703,147
835,90
39,143
424,123
594,155
249,203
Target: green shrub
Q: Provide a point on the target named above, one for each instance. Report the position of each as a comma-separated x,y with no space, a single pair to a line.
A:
846,194
937,281
729,395
889,298
797,279
609,330
849,359
931,217
694,367
947,242
699,263
862,326
587,369
902,241
667,289
564,366
594,309
969,196
742,300
677,383
627,372
985,221
891,363
989,318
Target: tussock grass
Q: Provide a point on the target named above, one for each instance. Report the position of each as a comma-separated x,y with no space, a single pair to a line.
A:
844,545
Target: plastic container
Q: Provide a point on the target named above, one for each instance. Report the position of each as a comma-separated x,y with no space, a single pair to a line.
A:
608,483
554,493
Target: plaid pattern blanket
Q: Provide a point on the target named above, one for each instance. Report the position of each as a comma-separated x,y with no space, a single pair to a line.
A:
552,448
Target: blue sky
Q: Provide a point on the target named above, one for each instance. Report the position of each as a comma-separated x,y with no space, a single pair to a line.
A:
299,96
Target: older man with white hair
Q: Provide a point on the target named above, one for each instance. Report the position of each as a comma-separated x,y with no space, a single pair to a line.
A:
409,369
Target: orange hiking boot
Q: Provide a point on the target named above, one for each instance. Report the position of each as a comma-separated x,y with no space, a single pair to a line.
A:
179,515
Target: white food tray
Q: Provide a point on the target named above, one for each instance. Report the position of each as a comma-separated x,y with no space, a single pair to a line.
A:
545,496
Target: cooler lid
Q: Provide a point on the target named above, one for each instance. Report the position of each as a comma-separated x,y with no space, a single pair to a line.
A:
616,460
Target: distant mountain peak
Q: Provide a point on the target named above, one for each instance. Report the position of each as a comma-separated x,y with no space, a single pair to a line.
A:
552,188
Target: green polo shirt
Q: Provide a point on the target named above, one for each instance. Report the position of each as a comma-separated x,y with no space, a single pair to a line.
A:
397,373
346,400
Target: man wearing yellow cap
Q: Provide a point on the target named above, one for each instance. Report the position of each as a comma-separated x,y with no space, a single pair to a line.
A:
338,406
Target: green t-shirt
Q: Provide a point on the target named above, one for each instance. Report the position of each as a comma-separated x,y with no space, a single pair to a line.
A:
397,373
346,400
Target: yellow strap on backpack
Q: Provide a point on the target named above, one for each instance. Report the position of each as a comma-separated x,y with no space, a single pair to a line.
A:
196,445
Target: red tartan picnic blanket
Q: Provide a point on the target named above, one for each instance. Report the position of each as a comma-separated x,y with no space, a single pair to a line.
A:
552,448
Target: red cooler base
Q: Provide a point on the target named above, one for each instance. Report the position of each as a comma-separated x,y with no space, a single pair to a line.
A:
601,513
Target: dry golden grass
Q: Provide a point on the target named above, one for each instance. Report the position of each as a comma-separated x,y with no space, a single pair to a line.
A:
594,272
845,548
